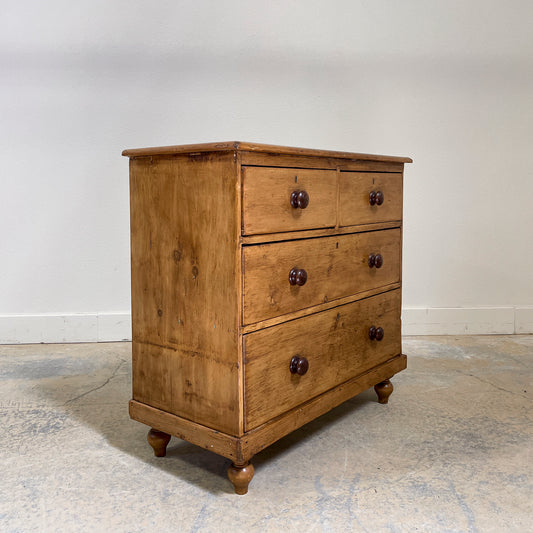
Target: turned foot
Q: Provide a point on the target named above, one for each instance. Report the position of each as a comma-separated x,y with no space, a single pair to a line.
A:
158,441
240,476
384,390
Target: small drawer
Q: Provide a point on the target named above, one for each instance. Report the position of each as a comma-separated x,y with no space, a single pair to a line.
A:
287,199
367,197
287,365
283,277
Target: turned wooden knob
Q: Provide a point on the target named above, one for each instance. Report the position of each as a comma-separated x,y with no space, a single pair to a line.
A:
376,198
299,199
376,333
375,260
299,365
297,276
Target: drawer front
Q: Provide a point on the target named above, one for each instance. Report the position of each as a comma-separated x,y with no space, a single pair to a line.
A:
335,267
355,204
267,199
336,345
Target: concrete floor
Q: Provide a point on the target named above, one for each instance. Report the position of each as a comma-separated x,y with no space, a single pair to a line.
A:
450,452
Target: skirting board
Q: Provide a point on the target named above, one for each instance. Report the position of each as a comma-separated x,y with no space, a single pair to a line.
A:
109,327
467,321
90,327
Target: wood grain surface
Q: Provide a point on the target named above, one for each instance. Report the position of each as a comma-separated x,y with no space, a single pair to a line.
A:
259,438
336,345
336,267
185,287
354,190
266,199
233,146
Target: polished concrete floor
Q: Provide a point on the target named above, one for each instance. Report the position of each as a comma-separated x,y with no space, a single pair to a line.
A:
450,452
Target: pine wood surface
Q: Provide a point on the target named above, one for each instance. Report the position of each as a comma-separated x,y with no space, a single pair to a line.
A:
242,449
336,266
233,146
185,287
266,195
324,306
323,232
336,345
257,439
215,319
354,190
298,161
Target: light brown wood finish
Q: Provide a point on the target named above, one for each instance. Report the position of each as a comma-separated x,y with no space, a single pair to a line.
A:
240,476
198,368
241,450
233,146
336,267
336,345
310,233
267,193
384,390
298,161
318,308
158,440
216,441
185,287
263,436
354,206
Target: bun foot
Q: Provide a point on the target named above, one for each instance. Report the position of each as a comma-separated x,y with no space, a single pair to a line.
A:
384,390
240,476
158,441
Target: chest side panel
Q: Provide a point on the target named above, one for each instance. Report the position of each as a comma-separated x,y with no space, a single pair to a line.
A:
185,298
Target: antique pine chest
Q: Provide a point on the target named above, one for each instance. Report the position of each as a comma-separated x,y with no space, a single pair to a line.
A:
266,290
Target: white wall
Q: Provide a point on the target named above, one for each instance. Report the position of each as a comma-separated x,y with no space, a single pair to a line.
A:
448,83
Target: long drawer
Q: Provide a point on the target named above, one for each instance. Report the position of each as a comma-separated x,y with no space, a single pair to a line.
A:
335,344
329,267
267,194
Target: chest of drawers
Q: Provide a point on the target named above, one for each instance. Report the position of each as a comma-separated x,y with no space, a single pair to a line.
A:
266,290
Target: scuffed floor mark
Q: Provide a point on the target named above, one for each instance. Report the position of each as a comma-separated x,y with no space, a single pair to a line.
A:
497,387
114,373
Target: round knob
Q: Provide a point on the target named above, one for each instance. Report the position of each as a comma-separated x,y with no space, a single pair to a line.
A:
297,276
299,365
376,333
375,260
376,198
299,199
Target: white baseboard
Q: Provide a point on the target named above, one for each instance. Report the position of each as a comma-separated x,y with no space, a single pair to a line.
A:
467,321
90,327
108,327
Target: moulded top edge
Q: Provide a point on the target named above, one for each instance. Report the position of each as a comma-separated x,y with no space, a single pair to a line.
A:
231,146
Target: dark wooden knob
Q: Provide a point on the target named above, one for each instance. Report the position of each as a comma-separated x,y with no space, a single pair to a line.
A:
376,333
376,198
375,260
299,199
297,276
299,365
